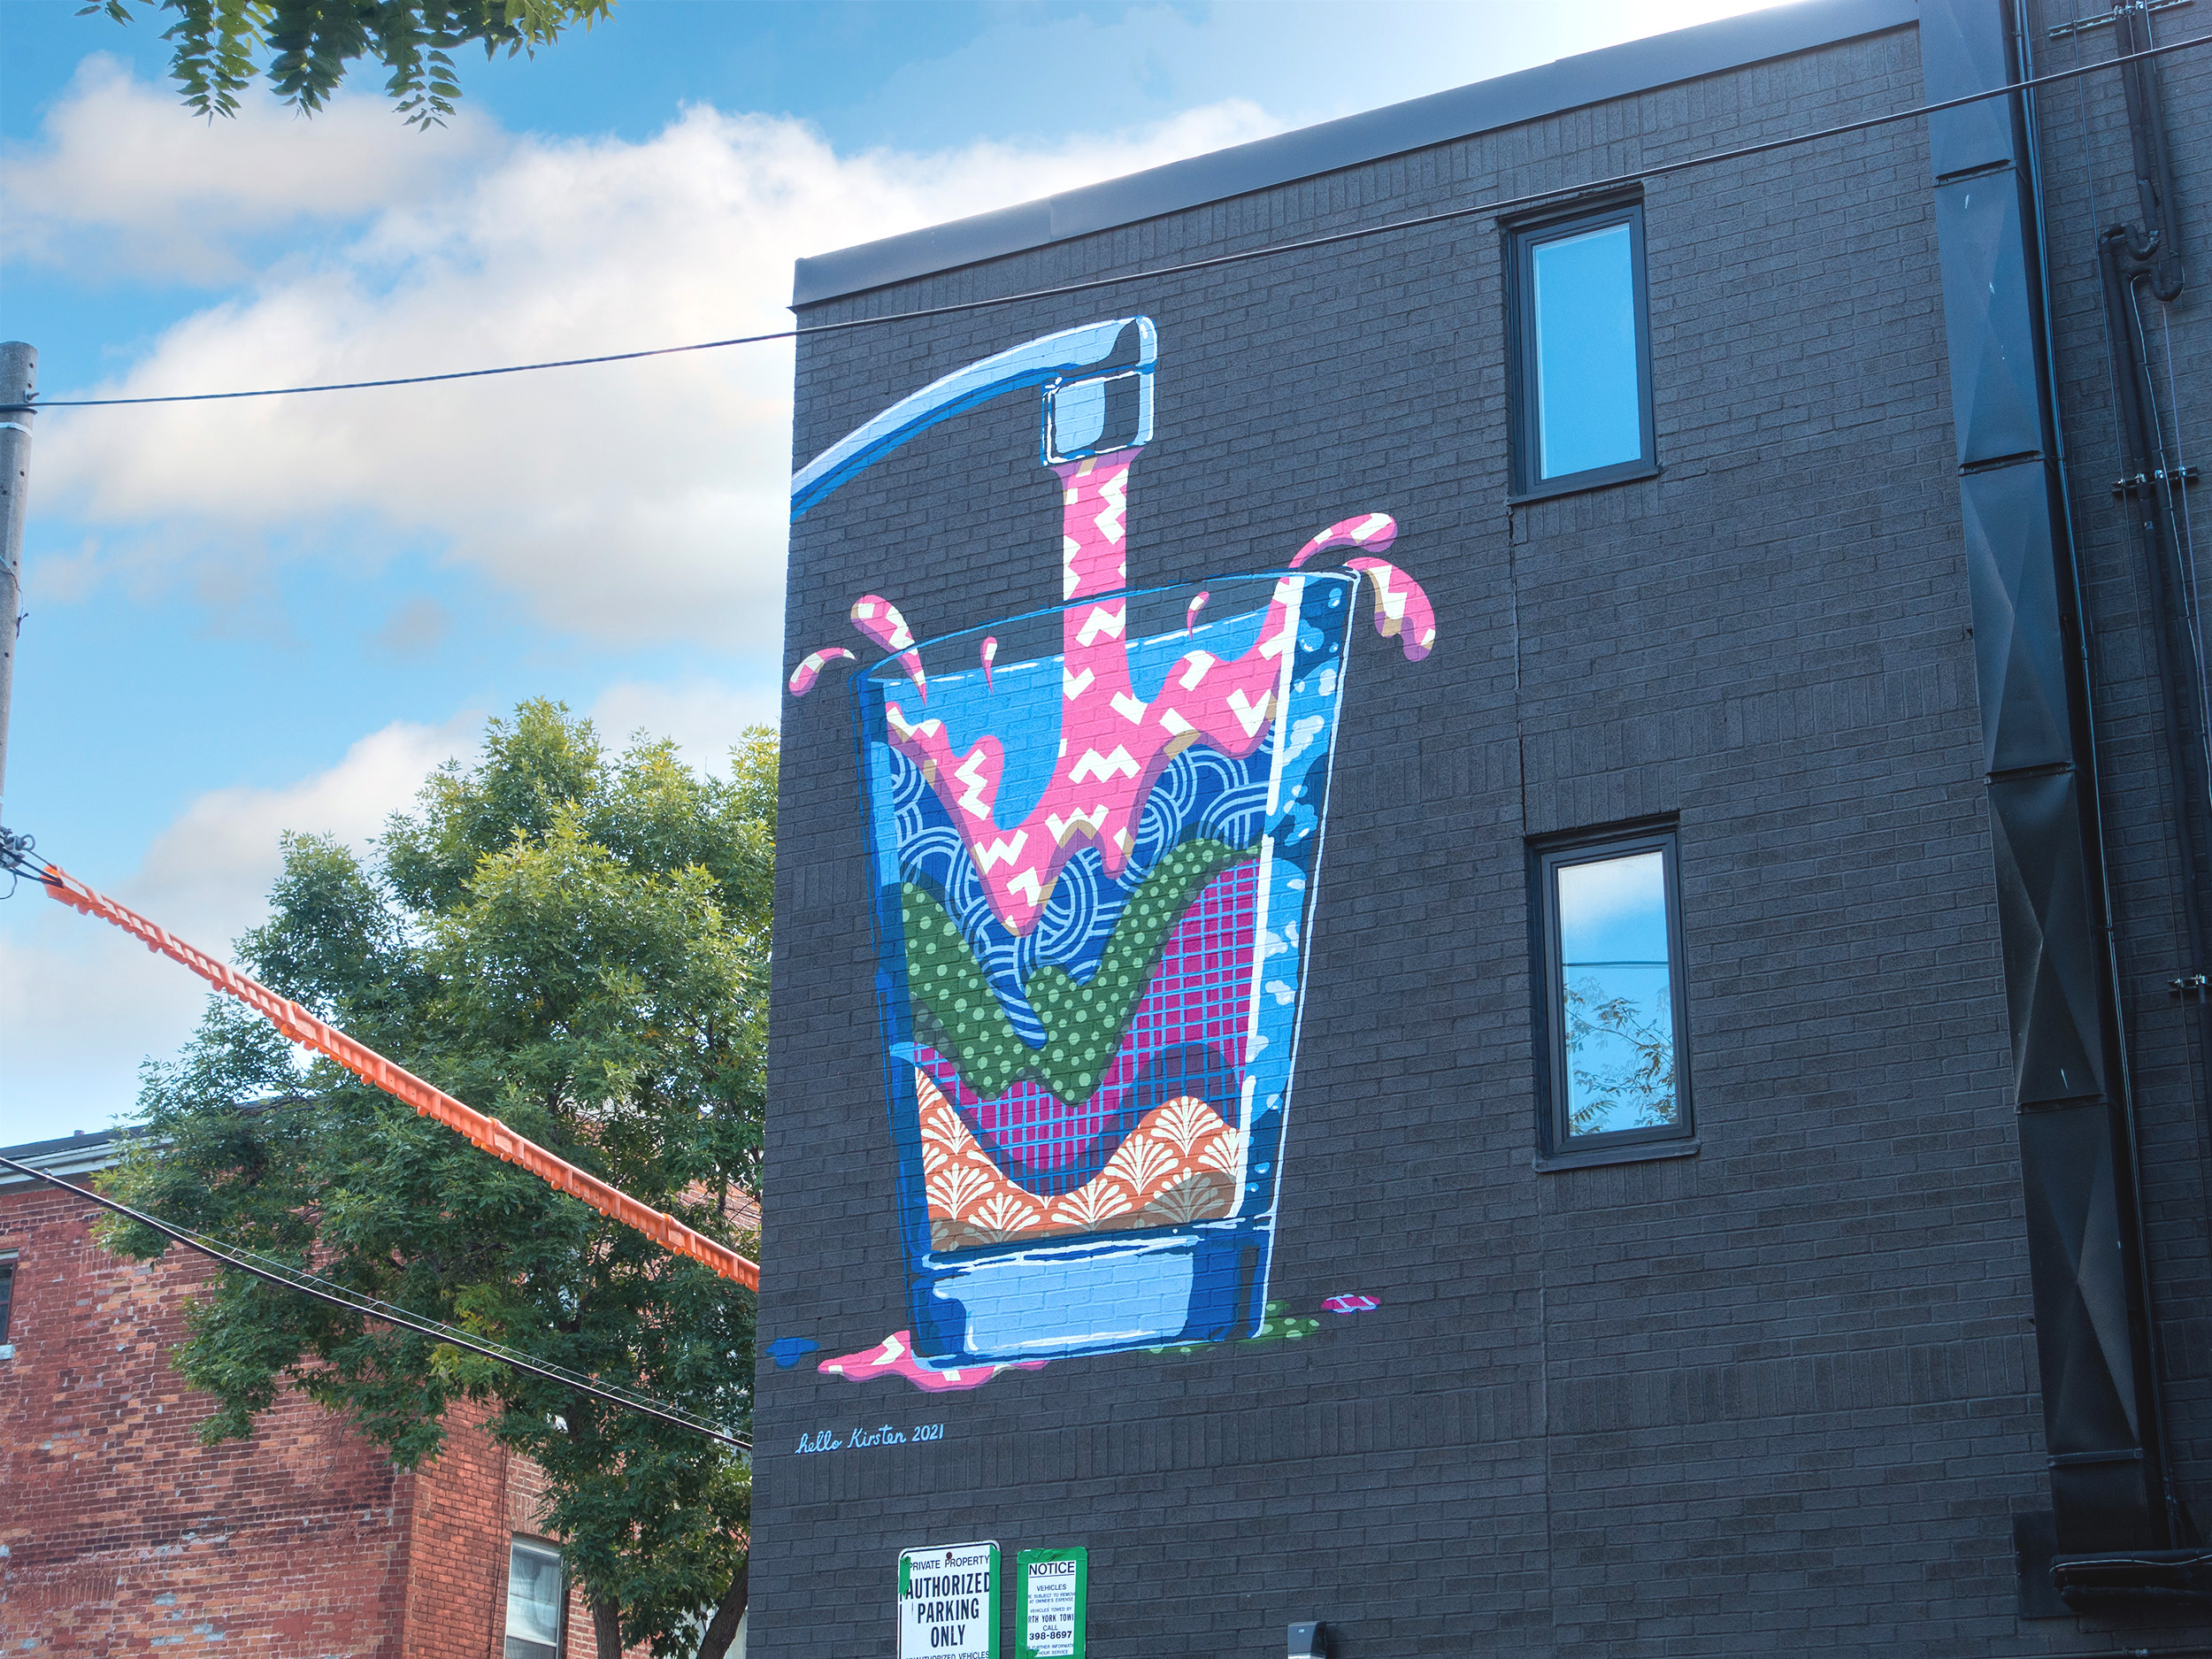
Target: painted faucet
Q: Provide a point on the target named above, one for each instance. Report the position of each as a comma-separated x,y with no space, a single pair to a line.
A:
1114,743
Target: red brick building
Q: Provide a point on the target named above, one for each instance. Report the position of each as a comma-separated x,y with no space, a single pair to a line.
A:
120,1533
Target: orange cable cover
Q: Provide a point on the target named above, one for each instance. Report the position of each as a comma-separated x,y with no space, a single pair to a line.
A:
372,1068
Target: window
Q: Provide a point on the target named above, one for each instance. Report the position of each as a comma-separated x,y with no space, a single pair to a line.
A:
7,1303
535,1595
1612,1010
1581,352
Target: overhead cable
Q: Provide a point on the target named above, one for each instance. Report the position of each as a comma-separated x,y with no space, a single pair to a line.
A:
1271,250
288,1278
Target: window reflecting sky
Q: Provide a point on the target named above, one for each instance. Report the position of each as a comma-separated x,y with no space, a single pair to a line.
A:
1588,411
1618,1002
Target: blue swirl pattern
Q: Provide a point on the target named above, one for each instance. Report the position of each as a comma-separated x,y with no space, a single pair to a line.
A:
1203,792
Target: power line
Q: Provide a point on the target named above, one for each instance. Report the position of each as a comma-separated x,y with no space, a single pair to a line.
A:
1089,284
411,380
288,1278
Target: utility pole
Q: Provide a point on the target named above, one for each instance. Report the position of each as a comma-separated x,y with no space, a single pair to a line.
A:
19,381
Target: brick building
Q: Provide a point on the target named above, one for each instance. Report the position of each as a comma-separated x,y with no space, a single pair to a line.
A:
119,1534
1745,1188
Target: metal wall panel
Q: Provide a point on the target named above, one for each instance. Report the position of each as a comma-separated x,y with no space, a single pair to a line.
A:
1997,400
2051,958
2019,656
2085,1329
1962,50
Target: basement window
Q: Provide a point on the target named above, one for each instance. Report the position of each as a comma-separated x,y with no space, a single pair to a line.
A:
536,1595
1580,352
1616,1082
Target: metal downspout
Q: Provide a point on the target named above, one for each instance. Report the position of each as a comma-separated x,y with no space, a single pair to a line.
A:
2083,667
2128,259
2121,267
2158,248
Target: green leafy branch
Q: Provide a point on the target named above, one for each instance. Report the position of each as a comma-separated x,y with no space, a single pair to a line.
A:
309,43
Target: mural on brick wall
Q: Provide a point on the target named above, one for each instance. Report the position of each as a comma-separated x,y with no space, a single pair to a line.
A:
1096,832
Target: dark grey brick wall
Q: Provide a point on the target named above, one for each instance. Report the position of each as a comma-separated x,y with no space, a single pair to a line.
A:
1776,1397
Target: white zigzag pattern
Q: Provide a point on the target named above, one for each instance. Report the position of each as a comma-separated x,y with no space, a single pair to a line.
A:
969,772
1120,763
1115,492
1090,822
1104,622
1001,852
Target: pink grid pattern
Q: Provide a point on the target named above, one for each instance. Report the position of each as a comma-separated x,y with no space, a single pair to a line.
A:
1200,993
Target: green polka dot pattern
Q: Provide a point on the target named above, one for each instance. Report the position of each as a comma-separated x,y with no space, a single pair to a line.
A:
956,1014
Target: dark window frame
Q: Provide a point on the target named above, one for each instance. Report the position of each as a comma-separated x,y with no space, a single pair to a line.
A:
8,1260
1523,237
1557,1146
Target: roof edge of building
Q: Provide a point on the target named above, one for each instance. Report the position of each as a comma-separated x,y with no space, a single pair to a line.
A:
1527,95
81,1154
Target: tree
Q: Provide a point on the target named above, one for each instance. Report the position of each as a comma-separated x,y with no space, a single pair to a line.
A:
310,42
577,944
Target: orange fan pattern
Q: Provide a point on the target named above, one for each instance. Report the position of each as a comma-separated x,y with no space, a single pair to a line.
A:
1180,1164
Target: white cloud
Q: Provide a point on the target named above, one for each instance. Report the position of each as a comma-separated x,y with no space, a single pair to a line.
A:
626,503
207,874
123,180
704,718
82,1004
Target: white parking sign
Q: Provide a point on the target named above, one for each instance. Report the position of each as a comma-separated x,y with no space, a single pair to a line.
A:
949,1605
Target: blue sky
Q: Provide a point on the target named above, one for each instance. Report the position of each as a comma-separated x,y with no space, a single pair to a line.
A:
257,616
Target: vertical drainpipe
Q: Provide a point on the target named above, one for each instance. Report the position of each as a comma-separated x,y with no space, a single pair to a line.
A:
2109,1489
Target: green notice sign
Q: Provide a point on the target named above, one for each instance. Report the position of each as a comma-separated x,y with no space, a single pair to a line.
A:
1051,1597
948,1603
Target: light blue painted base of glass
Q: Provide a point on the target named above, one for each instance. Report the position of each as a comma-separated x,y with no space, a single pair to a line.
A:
1205,1283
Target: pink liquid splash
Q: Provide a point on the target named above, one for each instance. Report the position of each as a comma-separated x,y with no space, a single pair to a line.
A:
893,1356
1114,744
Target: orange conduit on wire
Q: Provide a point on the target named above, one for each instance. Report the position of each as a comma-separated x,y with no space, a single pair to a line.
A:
372,1068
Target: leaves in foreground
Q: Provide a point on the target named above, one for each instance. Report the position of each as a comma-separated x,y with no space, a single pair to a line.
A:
308,44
